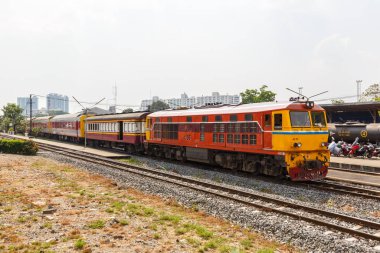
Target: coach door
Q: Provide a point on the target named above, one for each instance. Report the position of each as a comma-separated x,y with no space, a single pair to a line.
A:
120,134
267,142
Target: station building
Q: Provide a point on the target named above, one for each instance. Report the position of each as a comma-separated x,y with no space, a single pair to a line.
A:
363,112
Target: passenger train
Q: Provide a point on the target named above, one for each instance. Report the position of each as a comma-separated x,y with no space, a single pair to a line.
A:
277,139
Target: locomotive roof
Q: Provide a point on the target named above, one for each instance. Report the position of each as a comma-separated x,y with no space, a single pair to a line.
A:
122,116
229,109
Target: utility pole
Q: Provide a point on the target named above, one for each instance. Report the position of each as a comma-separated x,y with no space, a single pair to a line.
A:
358,89
30,115
85,110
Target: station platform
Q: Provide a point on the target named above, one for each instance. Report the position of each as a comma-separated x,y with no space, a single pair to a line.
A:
77,147
372,180
356,164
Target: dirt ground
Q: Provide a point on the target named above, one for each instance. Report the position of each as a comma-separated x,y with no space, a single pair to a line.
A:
47,206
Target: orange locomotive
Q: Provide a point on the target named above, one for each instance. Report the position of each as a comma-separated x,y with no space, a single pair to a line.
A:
277,139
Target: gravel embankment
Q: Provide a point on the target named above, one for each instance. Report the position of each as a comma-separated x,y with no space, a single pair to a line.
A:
298,233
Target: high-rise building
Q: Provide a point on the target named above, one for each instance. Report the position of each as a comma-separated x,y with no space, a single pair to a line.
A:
24,103
186,101
57,102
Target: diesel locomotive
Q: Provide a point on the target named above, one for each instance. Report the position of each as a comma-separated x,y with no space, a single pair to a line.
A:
277,139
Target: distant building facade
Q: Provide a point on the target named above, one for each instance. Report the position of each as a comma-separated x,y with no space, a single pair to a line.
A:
24,103
57,102
186,101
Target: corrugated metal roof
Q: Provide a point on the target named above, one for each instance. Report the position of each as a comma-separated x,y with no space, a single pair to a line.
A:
230,109
42,119
122,116
66,117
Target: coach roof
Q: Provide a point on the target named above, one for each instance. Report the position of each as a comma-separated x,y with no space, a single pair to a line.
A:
231,109
122,116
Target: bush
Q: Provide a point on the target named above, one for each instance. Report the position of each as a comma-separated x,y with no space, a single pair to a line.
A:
20,147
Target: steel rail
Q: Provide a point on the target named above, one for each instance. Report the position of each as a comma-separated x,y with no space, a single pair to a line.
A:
231,194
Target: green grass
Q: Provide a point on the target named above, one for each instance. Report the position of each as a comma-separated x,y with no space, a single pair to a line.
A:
203,232
124,222
265,250
132,161
246,243
118,205
156,236
79,244
139,210
172,218
96,224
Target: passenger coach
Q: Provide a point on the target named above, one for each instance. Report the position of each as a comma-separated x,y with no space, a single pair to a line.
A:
118,130
277,139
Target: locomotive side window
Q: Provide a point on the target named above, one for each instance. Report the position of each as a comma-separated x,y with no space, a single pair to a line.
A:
248,117
233,117
202,136
244,139
237,138
204,118
218,118
189,119
230,138
300,119
170,119
278,121
318,119
267,119
252,139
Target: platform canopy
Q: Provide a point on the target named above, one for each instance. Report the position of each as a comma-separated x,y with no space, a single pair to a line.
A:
366,112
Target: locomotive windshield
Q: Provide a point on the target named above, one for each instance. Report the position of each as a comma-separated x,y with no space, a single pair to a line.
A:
300,119
318,119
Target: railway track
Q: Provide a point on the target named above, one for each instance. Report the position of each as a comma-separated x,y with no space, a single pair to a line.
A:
332,220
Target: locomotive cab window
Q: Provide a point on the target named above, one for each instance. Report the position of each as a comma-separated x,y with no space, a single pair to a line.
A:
278,121
300,119
267,119
318,119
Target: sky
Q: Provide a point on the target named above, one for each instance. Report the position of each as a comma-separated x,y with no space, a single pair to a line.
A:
167,47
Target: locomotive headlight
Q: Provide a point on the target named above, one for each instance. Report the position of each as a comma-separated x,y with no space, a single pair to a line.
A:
297,144
324,144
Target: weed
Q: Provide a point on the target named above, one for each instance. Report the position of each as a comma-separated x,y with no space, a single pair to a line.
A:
48,225
181,231
124,222
194,242
173,218
156,236
246,243
203,232
118,205
330,203
22,219
8,209
110,210
266,190
139,210
132,161
153,227
79,244
265,250
96,224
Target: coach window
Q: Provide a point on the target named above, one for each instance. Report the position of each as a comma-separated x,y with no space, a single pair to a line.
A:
278,121
189,119
267,120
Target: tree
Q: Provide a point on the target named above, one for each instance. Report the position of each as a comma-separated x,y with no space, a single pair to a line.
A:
158,106
12,115
337,101
257,96
372,93
128,110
